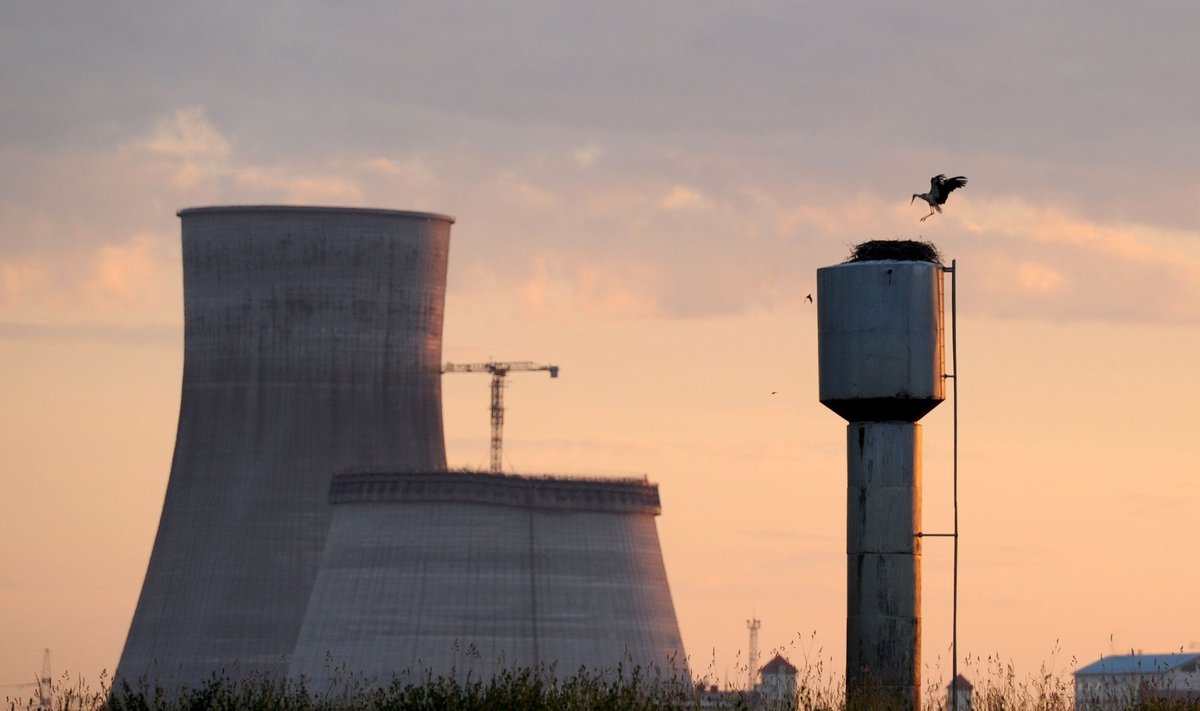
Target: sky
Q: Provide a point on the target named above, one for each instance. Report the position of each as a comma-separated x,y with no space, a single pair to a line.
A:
643,193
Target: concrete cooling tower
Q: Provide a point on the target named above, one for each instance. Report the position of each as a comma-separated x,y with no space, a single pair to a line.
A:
464,574
312,345
312,350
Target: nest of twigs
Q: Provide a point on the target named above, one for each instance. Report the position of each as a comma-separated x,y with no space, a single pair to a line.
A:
900,250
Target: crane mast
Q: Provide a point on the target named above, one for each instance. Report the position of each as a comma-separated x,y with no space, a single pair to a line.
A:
498,370
45,683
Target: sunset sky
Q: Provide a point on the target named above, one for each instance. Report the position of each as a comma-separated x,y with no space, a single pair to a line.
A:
643,193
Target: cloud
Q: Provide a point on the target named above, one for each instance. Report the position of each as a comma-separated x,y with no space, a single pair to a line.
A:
536,197
1019,260
196,155
1046,263
648,231
543,291
649,245
114,285
1039,278
682,198
554,288
610,292
411,171
282,183
187,141
586,156
188,134
92,332
1038,102
524,192
22,280
124,272
1057,226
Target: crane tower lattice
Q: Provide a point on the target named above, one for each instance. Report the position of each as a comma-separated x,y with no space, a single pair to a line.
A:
498,370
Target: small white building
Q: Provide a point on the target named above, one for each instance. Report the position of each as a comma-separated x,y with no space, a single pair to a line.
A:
778,687
1116,682
958,694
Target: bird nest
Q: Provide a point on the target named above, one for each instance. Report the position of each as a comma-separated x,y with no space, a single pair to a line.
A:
900,250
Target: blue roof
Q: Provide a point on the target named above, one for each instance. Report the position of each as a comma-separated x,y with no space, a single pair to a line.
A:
1138,663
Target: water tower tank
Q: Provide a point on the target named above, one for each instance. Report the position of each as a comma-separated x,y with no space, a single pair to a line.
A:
880,339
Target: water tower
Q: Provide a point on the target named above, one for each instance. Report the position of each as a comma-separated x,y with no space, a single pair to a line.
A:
881,366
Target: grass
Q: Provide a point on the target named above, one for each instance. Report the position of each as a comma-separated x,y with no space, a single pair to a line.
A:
519,689
997,687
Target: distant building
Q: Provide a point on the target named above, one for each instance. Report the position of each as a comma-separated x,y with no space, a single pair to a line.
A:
1116,682
778,687
776,691
714,697
963,701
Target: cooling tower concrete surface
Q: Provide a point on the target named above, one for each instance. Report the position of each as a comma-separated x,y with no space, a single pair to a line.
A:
459,573
312,345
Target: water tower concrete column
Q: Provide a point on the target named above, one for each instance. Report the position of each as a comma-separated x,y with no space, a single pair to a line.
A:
881,368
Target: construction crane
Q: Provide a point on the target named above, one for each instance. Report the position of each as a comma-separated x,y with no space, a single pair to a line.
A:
498,371
44,684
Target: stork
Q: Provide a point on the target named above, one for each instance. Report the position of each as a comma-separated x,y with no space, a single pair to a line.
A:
940,188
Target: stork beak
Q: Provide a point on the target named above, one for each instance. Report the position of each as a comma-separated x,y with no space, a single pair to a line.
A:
914,199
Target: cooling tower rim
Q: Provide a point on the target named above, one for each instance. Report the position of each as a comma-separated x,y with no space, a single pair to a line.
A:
312,209
630,479
629,495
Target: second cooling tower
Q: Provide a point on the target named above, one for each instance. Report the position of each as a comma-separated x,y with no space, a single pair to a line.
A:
465,574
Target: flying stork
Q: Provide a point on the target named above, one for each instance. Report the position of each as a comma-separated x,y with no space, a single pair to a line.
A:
940,188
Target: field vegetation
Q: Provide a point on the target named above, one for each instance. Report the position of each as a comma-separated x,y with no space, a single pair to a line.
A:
997,687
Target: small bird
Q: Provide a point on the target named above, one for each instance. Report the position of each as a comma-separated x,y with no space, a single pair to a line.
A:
940,188
809,297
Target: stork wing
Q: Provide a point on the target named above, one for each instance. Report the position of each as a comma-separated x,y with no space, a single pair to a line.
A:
950,184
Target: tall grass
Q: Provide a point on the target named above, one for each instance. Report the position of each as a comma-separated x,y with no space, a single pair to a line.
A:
515,689
997,687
